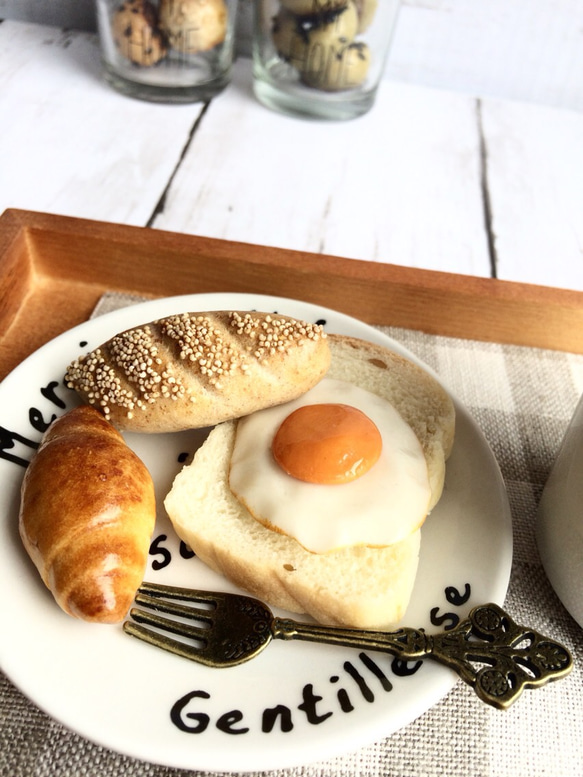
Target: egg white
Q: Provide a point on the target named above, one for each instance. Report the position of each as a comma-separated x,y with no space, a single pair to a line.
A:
382,507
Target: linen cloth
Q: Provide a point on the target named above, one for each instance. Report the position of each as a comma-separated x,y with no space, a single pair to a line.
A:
523,399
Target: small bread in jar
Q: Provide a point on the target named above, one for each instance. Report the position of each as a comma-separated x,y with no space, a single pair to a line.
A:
305,7
338,70
134,27
366,11
296,38
193,26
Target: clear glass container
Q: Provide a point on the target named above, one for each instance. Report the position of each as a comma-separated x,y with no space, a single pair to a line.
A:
167,50
321,58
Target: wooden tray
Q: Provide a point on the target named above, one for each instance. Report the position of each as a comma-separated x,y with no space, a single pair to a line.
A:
54,269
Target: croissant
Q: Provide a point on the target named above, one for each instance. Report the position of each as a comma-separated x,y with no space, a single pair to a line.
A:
193,370
86,517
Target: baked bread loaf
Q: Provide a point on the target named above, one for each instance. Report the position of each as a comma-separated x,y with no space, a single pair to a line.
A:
357,586
87,515
194,370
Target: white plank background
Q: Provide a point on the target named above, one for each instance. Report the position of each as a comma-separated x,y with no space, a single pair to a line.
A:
535,180
389,187
430,178
529,50
70,144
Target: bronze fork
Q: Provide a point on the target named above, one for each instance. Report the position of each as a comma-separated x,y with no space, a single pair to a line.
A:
488,650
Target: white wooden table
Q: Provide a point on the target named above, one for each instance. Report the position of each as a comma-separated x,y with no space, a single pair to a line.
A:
429,178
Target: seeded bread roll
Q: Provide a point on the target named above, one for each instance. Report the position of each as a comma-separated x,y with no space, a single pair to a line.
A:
87,515
197,369
354,586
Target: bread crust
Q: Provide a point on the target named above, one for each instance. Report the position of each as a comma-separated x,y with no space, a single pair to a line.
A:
87,515
198,369
356,586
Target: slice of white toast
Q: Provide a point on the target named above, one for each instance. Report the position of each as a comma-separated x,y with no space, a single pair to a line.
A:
357,586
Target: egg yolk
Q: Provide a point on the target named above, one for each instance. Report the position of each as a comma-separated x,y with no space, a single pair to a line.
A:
327,444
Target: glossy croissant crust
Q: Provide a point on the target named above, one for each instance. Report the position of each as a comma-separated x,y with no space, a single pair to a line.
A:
87,515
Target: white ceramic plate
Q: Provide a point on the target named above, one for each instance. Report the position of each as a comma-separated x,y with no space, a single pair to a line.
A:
296,702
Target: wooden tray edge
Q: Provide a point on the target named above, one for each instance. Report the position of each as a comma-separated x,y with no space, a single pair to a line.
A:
42,257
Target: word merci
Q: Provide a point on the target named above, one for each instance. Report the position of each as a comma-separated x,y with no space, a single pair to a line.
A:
12,442
365,678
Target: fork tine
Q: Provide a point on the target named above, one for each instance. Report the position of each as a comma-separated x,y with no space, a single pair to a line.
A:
156,597
172,608
192,652
175,592
174,627
235,629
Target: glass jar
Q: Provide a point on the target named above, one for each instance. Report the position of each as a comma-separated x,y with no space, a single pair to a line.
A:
321,58
167,50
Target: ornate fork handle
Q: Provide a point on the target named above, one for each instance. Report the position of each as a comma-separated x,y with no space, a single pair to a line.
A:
488,650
